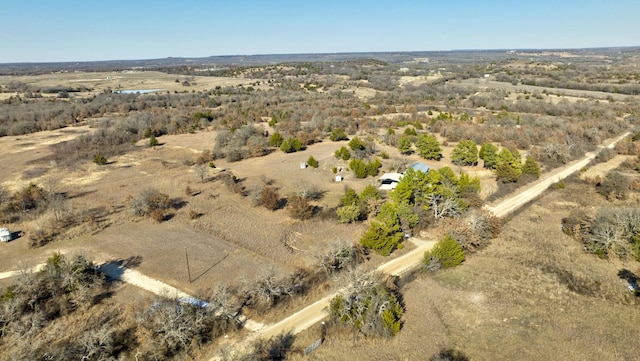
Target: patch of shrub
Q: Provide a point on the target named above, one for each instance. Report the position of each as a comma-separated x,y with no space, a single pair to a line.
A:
31,197
275,140
312,162
338,134
614,186
444,254
153,141
291,145
151,203
269,198
232,183
193,214
348,214
343,153
175,326
356,144
362,169
100,159
368,306
63,285
299,207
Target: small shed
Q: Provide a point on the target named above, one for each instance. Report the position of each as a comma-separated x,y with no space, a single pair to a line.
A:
417,166
339,178
303,165
5,235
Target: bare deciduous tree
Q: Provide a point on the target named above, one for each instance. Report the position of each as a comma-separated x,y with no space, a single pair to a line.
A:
338,257
202,171
444,206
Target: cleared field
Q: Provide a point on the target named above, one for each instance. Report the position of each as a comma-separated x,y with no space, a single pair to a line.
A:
125,80
228,242
573,93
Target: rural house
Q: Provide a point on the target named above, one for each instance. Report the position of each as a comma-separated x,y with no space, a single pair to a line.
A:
389,181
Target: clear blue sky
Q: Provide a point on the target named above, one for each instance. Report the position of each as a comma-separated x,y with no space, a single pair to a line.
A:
80,30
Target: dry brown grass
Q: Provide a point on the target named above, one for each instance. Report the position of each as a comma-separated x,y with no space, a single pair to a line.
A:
228,241
130,80
532,294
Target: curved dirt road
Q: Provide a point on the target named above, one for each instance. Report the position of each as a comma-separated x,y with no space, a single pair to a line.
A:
316,311
522,197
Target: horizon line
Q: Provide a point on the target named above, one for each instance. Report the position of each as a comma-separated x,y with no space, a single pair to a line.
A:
323,53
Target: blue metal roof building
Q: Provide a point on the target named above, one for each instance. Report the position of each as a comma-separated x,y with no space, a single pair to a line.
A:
417,166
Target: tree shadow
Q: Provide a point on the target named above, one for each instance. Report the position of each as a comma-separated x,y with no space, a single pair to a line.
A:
632,280
79,194
280,346
115,269
97,299
178,203
131,262
168,217
449,355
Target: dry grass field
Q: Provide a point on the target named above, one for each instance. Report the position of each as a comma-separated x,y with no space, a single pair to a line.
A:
128,80
573,95
228,241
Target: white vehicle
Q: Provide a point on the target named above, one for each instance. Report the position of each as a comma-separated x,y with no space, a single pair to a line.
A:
5,235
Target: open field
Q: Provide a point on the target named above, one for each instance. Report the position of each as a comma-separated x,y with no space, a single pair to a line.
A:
99,82
228,231
571,95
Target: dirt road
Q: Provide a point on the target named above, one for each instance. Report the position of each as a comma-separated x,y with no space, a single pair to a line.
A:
133,277
315,312
534,190
10,274
156,287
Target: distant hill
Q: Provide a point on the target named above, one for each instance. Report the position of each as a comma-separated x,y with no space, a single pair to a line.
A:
453,56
